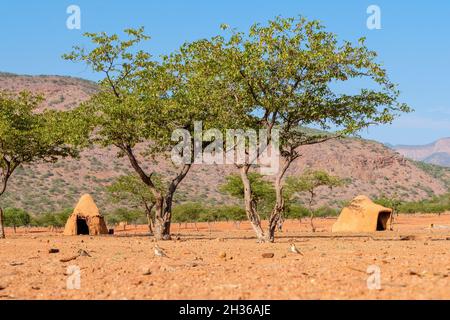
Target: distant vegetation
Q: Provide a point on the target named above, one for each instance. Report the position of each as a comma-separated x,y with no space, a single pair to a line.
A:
438,172
436,205
198,212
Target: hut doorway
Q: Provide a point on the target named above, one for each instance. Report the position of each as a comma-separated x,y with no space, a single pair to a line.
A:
383,219
82,227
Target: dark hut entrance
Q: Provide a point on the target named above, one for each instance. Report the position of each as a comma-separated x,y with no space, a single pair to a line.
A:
383,219
82,227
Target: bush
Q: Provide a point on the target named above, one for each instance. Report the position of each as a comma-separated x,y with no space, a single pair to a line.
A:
228,213
57,219
189,212
125,215
439,204
298,212
14,217
326,212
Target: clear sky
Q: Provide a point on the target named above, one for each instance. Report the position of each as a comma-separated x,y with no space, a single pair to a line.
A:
413,43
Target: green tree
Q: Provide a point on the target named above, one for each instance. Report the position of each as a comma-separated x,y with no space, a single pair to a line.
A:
28,136
308,183
16,218
124,215
263,193
141,103
134,192
289,75
189,212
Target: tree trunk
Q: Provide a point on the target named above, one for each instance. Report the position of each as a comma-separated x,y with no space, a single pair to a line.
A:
163,206
275,220
311,221
149,223
162,219
2,229
148,213
311,210
250,207
277,212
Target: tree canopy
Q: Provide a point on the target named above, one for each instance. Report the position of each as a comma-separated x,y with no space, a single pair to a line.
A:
28,135
291,74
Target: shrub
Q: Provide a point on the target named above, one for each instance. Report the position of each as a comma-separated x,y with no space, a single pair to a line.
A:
14,217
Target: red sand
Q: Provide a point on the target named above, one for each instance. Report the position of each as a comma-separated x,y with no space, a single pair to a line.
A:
332,267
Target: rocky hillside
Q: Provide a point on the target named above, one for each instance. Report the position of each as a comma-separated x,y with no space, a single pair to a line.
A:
374,169
437,153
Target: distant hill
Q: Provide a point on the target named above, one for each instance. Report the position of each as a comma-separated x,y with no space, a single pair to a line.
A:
437,153
373,168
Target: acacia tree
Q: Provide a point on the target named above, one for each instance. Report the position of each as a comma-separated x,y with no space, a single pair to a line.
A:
140,105
309,182
290,75
28,136
131,189
263,193
15,217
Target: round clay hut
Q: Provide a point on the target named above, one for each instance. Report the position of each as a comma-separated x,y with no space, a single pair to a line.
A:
363,215
86,219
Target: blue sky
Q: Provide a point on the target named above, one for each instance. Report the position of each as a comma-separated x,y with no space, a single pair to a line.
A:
413,43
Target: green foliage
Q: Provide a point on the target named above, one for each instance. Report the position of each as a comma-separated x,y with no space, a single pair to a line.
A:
28,136
283,73
133,191
125,215
263,192
310,180
197,212
294,211
14,217
228,213
439,204
437,172
57,219
326,212
189,212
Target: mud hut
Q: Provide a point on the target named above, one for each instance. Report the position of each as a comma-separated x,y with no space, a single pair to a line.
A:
362,215
85,219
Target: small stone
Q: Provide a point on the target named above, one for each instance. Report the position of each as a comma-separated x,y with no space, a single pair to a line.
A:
51,251
146,272
223,255
69,259
3,286
16,263
268,255
192,265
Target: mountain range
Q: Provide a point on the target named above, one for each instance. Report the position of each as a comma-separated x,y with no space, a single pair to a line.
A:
372,168
437,153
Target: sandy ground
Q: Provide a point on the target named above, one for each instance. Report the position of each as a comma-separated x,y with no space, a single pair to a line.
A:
220,261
